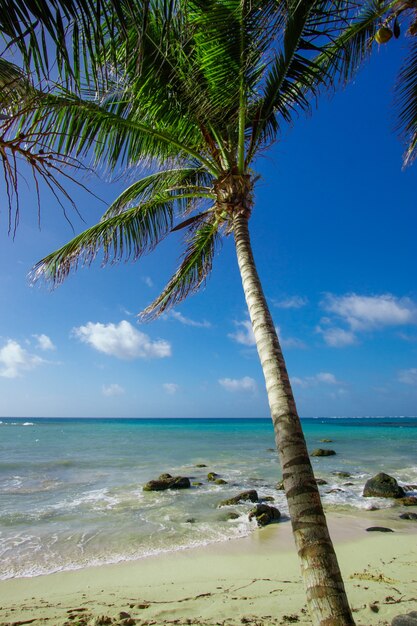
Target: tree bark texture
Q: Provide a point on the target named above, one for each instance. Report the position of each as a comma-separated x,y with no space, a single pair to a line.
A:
326,596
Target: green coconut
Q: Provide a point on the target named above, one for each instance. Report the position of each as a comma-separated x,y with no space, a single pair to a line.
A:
383,34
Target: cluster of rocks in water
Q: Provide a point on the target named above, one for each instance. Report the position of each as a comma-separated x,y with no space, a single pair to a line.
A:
262,513
381,486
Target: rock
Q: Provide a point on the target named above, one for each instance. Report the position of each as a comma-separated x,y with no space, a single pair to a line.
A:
348,484
408,516
326,440
129,621
342,474
166,481
191,520
244,496
267,498
264,514
409,619
212,476
220,481
196,484
103,620
201,465
144,605
374,607
408,501
410,487
123,615
335,490
383,486
323,452
231,515
321,481
379,529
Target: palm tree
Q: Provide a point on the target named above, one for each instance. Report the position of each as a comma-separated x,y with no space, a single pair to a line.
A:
192,93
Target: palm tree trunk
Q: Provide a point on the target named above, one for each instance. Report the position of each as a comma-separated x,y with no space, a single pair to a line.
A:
326,596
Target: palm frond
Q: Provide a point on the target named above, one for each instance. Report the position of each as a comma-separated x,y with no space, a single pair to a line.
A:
15,87
194,269
406,103
181,183
127,235
321,48
80,126
64,34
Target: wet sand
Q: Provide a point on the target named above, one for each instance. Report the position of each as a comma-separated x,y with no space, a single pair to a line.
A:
254,580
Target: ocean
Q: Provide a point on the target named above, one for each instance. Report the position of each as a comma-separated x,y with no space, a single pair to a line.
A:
71,489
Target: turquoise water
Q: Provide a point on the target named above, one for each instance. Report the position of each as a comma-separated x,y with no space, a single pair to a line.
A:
71,490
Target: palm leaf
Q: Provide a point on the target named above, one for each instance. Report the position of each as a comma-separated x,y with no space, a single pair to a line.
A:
406,103
15,87
80,126
129,234
192,272
317,52
176,182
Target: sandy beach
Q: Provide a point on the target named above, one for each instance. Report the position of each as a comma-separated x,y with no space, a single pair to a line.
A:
254,580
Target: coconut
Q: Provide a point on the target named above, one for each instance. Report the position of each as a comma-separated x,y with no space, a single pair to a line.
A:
383,34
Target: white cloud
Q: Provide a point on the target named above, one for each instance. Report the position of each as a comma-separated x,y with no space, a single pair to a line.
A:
122,341
326,378
171,388
112,390
44,342
14,360
244,334
289,342
368,312
148,281
337,337
293,302
238,384
179,317
408,377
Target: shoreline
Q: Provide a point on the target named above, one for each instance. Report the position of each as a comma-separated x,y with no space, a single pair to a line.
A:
255,579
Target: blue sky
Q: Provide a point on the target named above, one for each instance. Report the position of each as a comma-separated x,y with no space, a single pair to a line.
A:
333,233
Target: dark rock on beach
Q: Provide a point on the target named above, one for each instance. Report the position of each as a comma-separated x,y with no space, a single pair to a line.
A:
166,481
201,465
244,496
408,516
220,481
212,476
321,481
323,452
408,501
409,619
265,514
379,529
231,515
383,486
342,474
326,440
